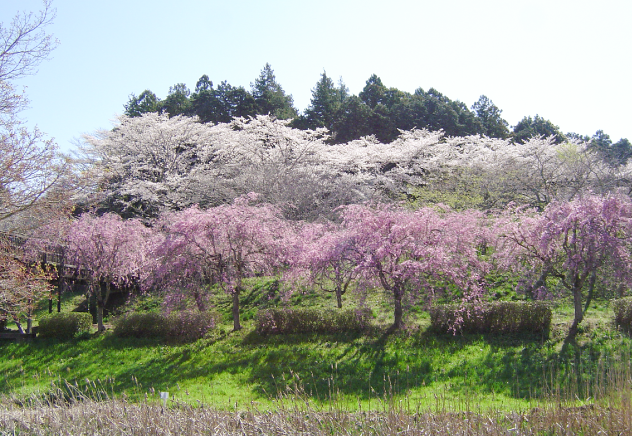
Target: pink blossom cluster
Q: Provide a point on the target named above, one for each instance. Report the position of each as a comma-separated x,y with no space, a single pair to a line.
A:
427,253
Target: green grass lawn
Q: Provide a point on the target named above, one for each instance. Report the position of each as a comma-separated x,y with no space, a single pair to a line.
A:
414,367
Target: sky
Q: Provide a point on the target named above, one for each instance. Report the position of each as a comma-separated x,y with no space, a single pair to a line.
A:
569,61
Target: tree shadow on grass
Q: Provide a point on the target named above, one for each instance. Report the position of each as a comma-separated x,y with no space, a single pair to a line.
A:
382,363
349,364
361,365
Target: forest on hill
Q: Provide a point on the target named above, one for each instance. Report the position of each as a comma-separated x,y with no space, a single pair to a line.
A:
378,111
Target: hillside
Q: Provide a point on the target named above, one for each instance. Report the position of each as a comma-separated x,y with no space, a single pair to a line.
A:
360,370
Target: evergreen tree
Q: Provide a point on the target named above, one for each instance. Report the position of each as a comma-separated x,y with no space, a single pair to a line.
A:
572,136
615,154
622,151
204,102
490,117
382,125
244,104
233,102
270,97
353,120
144,103
325,104
374,92
177,101
529,127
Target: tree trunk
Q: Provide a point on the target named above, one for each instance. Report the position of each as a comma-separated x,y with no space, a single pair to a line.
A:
236,324
101,302
199,300
29,316
540,282
399,319
579,314
18,325
591,288
100,325
339,297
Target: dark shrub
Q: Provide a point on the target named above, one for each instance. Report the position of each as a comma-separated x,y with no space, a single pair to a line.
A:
496,317
64,325
280,320
181,326
139,325
623,313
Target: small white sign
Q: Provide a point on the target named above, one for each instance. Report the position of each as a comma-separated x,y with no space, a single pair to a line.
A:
164,396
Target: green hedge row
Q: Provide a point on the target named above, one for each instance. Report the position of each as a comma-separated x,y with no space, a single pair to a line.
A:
496,317
283,321
623,313
64,325
178,326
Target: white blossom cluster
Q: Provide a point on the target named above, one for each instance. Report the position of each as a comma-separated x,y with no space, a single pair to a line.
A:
152,163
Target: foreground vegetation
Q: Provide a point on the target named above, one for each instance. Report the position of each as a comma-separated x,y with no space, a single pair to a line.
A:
370,382
118,417
360,369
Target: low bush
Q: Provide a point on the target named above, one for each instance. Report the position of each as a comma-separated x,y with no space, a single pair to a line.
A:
183,326
64,325
281,320
496,317
623,313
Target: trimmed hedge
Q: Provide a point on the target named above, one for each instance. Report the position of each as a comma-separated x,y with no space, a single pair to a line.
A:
284,321
178,326
496,317
623,313
64,325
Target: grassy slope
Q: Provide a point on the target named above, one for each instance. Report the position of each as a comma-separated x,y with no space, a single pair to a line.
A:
414,366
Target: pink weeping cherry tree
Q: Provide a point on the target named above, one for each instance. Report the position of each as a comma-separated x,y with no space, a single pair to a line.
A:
577,242
324,258
110,251
416,252
222,245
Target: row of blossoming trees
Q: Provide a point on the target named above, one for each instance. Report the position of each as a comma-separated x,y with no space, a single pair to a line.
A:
151,164
424,254
310,224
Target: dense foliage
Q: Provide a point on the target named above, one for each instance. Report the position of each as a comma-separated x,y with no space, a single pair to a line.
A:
181,326
288,321
623,313
499,317
64,325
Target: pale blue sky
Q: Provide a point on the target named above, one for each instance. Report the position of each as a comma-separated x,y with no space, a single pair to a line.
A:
568,61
